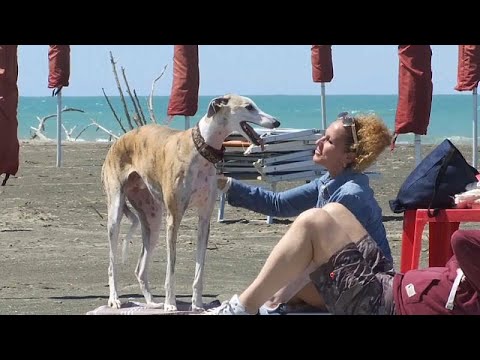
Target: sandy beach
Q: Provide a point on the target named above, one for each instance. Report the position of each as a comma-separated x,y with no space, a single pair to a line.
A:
54,248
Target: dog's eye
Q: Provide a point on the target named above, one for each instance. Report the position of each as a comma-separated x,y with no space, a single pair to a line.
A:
249,107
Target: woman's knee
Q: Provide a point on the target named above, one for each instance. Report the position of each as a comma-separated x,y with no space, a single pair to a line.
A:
337,210
335,207
463,241
313,219
466,247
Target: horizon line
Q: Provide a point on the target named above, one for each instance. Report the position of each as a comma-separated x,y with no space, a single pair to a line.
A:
209,95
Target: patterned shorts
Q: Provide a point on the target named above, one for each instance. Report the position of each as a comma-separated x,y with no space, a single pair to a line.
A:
357,280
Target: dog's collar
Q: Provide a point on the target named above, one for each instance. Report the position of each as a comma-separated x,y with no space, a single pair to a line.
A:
211,154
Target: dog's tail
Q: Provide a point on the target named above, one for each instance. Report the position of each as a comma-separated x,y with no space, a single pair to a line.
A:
134,219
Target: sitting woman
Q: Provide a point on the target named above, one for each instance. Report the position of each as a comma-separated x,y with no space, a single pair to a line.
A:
348,147
352,274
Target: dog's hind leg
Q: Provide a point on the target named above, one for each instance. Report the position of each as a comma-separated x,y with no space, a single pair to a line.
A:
115,203
133,227
150,215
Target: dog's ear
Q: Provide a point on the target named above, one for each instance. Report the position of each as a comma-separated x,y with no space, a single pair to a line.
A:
215,105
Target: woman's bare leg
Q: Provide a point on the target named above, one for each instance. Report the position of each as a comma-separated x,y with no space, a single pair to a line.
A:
315,235
309,295
299,290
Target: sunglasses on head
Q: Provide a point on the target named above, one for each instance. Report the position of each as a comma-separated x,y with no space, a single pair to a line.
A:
348,120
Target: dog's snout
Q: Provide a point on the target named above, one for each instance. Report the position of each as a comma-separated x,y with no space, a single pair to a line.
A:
276,123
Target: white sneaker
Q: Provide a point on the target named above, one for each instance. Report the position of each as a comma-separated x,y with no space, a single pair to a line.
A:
229,307
280,309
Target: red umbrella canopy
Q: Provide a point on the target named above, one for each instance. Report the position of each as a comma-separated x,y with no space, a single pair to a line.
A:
415,89
58,66
186,80
322,67
9,146
468,74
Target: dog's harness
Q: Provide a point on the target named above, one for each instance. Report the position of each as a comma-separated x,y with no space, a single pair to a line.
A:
211,154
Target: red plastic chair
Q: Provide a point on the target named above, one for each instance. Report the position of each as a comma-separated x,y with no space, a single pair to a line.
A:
441,228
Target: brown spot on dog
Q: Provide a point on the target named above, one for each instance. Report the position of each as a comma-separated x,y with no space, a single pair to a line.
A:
125,159
153,160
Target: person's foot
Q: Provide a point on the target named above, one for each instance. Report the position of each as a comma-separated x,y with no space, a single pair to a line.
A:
229,307
280,309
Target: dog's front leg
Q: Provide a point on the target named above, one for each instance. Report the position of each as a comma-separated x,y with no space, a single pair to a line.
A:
204,215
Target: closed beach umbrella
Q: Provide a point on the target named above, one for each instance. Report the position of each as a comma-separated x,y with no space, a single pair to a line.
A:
415,90
186,81
58,66
468,76
322,72
9,146
58,77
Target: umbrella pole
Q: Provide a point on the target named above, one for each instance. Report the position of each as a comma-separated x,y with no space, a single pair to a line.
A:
59,128
475,137
418,149
324,109
187,122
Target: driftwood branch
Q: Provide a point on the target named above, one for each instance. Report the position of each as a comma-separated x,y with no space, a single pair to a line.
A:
122,98
113,111
41,125
85,128
150,99
68,134
38,132
137,118
98,126
144,122
94,123
67,109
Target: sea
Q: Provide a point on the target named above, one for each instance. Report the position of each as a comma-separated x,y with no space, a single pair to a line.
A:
451,115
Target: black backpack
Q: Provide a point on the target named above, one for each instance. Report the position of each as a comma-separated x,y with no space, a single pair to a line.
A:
433,183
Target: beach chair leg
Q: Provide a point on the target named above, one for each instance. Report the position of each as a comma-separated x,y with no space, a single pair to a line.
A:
221,208
274,188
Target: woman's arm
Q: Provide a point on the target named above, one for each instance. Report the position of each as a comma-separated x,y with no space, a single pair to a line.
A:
288,203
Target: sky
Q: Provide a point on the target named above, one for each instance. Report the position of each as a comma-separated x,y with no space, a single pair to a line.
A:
242,69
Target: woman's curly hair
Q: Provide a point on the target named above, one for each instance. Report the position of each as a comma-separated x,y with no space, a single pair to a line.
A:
373,137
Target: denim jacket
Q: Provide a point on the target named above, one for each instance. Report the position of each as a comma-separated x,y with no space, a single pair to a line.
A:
350,189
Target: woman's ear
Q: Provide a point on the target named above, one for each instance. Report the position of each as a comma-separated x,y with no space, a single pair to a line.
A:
350,158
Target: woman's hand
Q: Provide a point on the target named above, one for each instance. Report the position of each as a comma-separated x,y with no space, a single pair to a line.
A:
223,183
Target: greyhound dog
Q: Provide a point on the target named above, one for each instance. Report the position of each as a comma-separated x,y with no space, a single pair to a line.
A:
159,169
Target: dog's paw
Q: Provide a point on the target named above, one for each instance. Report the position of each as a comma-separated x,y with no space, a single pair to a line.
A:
197,308
114,303
170,307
